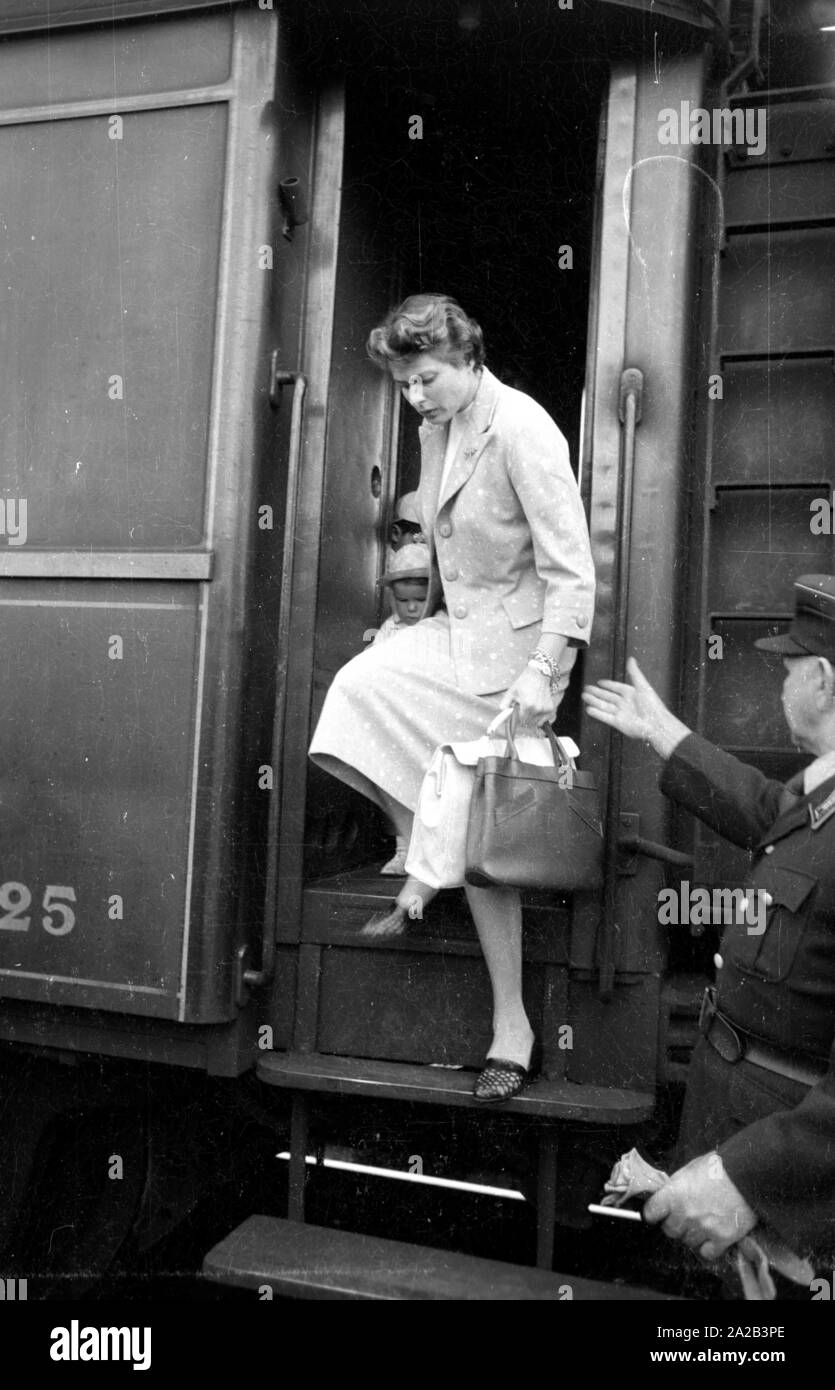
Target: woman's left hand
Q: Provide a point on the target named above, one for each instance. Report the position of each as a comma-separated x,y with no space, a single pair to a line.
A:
532,693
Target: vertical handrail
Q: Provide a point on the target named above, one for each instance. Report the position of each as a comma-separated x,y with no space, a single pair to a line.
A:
298,380
630,409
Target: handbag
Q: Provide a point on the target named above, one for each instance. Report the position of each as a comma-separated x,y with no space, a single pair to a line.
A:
534,827
438,846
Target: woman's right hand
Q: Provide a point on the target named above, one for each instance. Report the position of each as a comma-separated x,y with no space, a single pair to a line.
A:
532,695
635,710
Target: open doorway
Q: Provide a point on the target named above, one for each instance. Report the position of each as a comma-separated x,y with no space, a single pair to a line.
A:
470,168
482,175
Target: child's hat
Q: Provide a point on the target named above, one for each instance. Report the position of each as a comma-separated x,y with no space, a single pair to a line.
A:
409,562
405,509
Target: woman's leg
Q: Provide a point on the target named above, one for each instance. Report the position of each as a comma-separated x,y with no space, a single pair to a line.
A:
497,913
414,895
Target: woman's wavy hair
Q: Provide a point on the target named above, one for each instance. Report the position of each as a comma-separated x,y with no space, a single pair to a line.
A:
427,323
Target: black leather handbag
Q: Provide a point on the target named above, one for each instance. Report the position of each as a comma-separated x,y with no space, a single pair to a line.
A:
534,827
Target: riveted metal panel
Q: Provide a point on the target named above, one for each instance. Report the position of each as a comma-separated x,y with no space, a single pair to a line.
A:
760,535
95,791
138,320
757,439
107,311
768,428
778,291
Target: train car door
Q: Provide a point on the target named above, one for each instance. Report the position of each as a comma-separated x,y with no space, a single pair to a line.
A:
452,213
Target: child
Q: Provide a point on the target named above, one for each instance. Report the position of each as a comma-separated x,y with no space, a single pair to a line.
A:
405,529
407,579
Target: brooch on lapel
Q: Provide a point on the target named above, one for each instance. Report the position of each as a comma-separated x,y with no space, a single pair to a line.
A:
468,453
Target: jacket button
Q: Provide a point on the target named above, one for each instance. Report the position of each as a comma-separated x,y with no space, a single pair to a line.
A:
582,621
718,961
445,529
461,611
769,849
451,575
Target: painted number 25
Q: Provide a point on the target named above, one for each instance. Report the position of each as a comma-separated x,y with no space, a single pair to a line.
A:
15,898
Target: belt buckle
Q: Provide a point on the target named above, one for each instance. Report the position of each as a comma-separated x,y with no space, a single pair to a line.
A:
721,1034
725,1040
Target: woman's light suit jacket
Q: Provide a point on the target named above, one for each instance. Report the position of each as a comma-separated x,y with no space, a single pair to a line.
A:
508,536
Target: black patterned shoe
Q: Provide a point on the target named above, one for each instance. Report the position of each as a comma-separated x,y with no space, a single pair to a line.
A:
500,1080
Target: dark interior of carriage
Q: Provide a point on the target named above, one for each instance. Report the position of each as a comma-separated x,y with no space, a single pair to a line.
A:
474,174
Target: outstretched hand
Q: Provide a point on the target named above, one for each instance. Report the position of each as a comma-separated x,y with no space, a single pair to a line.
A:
635,710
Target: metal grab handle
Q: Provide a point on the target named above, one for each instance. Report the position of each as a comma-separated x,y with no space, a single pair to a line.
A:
298,380
630,403
653,850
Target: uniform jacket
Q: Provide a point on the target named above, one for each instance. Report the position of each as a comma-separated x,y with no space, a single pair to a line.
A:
778,984
508,536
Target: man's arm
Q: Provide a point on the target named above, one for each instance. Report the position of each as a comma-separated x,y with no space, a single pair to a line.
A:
779,1171
786,1164
736,800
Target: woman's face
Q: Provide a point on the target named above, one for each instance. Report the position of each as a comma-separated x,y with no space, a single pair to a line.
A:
436,387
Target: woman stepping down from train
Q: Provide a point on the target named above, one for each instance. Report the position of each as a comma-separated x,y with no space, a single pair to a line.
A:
502,515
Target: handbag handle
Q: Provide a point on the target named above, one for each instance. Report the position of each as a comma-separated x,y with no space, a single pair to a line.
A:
562,758
559,749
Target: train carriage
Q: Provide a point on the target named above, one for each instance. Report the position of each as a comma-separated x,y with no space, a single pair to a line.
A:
207,206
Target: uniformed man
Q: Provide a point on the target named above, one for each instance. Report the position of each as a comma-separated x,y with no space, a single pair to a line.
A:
759,1115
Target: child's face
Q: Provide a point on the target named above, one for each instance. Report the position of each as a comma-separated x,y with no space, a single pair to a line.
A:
409,598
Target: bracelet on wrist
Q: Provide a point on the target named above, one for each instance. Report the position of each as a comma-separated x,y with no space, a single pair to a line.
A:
542,662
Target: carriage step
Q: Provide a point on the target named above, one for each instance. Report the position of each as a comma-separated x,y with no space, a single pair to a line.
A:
300,1261
356,1076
